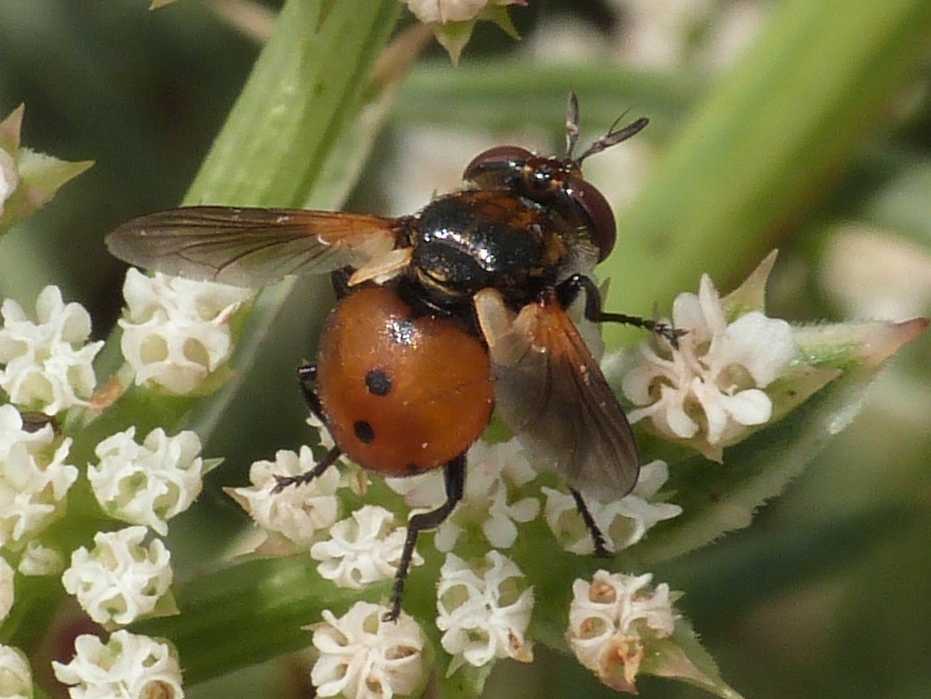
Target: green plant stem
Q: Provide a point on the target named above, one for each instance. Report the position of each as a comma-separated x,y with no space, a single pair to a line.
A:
764,145
305,89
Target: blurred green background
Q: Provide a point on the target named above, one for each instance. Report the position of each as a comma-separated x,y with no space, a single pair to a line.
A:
829,593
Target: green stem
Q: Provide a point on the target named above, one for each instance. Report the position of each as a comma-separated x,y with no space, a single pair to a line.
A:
762,146
305,89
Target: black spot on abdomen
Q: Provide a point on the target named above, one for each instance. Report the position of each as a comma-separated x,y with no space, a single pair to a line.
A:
364,431
378,382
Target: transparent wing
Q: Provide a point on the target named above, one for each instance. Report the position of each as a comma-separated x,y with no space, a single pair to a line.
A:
551,393
251,247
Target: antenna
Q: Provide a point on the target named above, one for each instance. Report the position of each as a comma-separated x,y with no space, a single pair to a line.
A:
612,138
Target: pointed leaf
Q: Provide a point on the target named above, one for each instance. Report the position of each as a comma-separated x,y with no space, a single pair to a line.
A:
40,177
718,498
751,294
10,129
682,657
453,36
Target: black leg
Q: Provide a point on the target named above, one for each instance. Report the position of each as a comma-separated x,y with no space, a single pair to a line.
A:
601,548
568,291
454,474
282,482
306,377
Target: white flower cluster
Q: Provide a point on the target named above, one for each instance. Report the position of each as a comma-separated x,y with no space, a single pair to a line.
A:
710,387
362,549
494,469
128,666
624,522
147,483
121,580
33,480
612,619
442,11
483,613
298,513
48,364
176,331
364,657
15,674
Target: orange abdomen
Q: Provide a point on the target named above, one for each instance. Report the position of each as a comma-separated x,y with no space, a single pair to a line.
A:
401,394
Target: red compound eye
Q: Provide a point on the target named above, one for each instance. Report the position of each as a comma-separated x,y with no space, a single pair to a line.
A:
598,211
500,159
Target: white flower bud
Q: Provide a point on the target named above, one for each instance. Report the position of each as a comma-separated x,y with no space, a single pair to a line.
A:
40,560
494,470
710,388
363,549
48,365
121,579
147,483
484,614
33,480
176,331
624,522
297,513
15,675
364,657
128,666
612,621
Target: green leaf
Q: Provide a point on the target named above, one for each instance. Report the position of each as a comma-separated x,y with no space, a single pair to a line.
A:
682,657
467,682
41,176
718,498
248,613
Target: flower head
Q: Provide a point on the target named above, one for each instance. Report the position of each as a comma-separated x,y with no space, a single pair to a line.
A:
33,479
442,11
128,665
612,619
624,521
37,560
364,657
121,579
298,513
147,483
363,549
48,364
15,675
177,331
483,613
494,471
710,388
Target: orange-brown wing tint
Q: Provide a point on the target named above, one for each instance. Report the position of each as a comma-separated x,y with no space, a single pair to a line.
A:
250,247
551,393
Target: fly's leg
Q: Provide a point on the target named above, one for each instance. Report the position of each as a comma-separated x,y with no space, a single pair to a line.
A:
307,376
454,475
282,482
601,548
569,290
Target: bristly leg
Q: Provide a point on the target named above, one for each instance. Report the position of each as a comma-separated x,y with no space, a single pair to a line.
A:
454,475
601,547
306,378
282,482
568,291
